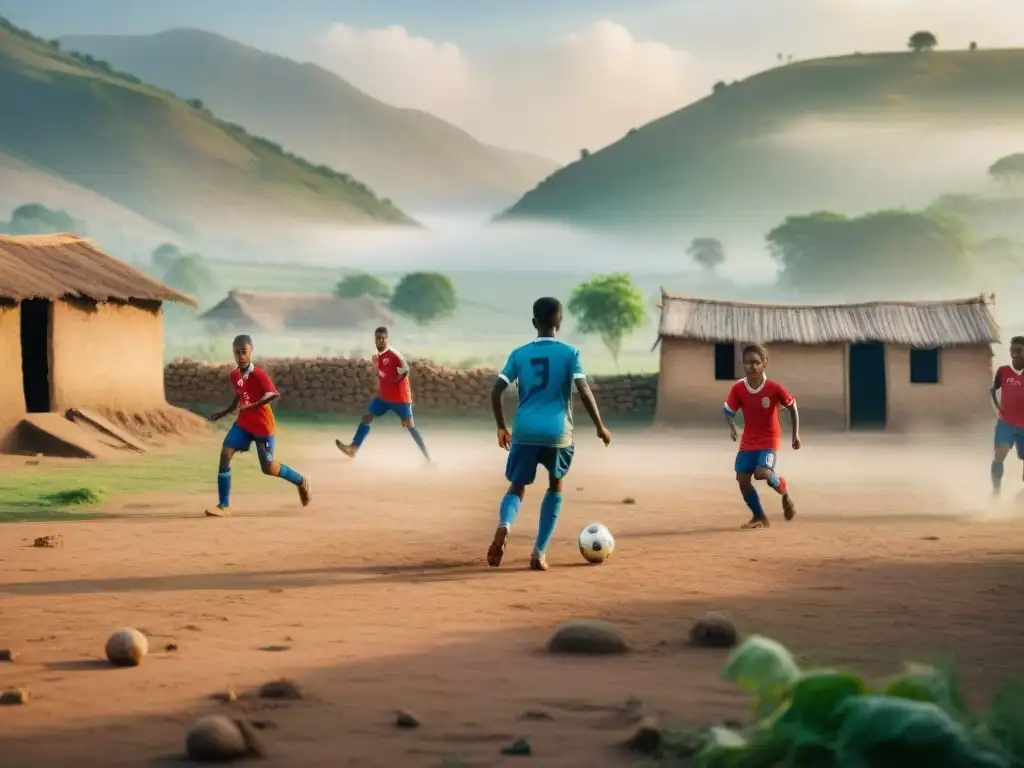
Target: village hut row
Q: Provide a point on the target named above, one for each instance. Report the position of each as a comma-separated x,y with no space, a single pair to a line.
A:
882,365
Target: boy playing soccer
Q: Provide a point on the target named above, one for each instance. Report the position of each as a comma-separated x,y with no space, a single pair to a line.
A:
254,391
760,398
1008,398
393,394
546,370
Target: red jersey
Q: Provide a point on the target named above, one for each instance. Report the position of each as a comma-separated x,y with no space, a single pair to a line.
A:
760,406
392,377
1010,384
250,387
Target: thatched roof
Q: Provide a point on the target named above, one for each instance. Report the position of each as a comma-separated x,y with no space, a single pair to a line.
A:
296,311
916,324
56,266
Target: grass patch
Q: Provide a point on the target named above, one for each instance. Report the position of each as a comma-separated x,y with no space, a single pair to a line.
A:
23,505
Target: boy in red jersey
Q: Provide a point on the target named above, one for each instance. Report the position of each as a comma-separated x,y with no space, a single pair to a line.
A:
254,391
760,398
393,394
1008,398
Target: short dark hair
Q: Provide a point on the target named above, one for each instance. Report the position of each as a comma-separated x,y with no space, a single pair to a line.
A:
757,349
241,341
545,310
380,329
1017,340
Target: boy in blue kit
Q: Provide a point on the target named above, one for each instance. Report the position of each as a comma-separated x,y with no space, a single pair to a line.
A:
545,370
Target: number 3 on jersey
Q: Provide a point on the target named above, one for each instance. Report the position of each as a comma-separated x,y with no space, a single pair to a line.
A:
542,373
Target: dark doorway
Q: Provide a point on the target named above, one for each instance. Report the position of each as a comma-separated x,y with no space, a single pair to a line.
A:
867,386
35,354
725,362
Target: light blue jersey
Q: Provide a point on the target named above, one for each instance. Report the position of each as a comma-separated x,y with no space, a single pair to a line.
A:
545,370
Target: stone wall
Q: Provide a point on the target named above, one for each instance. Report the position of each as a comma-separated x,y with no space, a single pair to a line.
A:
345,385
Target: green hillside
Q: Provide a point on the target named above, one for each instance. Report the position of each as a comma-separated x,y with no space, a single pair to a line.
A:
413,157
843,132
156,154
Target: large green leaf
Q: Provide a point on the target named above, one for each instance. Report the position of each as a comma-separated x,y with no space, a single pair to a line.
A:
1004,721
812,715
763,667
921,682
883,732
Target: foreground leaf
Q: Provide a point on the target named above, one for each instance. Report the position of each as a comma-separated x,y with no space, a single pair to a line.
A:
763,667
812,715
937,685
1004,721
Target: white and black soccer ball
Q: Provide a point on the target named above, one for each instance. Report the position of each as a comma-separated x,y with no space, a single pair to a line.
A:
596,543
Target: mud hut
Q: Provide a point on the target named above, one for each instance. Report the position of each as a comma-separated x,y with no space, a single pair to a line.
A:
883,365
81,350
277,312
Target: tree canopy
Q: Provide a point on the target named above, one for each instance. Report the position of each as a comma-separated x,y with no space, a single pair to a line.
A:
362,284
37,219
609,306
922,41
425,297
1008,168
707,252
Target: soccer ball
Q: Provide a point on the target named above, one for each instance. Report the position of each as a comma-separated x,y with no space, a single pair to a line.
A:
596,543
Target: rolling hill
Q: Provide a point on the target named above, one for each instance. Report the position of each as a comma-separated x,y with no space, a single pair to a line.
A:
168,161
848,133
411,156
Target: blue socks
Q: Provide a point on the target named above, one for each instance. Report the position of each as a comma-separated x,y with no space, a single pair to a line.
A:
289,474
361,433
419,441
997,475
223,486
509,509
549,509
754,502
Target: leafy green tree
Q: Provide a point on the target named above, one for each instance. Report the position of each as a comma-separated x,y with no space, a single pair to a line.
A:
424,296
610,306
707,252
1008,169
922,41
362,284
164,255
189,274
36,219
825,251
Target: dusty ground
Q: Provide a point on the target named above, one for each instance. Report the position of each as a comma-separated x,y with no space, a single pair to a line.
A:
379,595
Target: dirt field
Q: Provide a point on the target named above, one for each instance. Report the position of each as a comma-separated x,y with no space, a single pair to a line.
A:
377,598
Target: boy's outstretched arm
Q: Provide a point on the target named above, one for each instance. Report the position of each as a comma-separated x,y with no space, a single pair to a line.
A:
794,420
587,398
730,419
222,413
498,409
993,392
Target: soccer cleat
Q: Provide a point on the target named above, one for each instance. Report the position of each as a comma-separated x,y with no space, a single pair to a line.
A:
305,490
755,523
497,549
348,450
538,562
788,507
218,511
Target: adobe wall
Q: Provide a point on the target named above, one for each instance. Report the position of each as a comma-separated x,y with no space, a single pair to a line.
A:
960,398
12,396
345,385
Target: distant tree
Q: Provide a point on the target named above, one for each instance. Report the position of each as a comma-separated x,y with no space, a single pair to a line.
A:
610,306
707,252
362,284
189,274
196,103
973,46
1008,169
584,153
55,44
424,296
719,87
922,41
164,255
828,252
36,219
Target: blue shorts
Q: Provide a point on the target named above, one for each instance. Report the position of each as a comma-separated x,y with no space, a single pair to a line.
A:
1009,435
379,407
521,467
748,461
240,439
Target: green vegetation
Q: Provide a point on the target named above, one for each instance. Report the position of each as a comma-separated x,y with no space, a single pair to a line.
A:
184,271
36,219
362,284
609,306
425,297
1009,169
731,155
922,41
707,252
836,719
80,118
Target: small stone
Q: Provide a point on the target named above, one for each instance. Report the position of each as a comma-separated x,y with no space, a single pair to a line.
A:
127,647
276,648
215,738
14,697
8,654
713,630
629,500
588,636
281,689
537,714
520,747
406,720
227,696
171,647
646,739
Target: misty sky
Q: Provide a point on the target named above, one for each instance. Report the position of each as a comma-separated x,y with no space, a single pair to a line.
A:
547,76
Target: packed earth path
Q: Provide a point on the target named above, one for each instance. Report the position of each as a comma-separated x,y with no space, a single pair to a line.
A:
376,598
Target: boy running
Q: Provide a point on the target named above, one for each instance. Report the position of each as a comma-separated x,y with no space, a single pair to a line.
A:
1008,398
760,398
546,370
254,391
393,394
